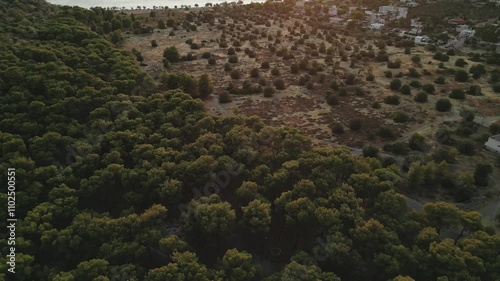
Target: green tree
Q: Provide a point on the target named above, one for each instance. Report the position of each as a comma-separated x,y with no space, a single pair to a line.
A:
205,86
257,216
171,54
238,266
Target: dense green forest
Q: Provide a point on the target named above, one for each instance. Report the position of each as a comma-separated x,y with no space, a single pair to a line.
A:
117,181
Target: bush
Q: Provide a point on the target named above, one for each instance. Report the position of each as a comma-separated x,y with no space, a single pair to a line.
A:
393,99
421,97
388,74
224,97
394,64
206,55
395,84
279,84
212,61
356,124
460,62
235,74
415,84
457,94
474,90
337,128
461,76
496,88
412,72
227,67
467,147
401,117
154,44
171,54
443,105
254,73
310,85
417,142
429,88
332,100
386,132
265,65
405,89
268,92
194,46
370,77
370,151
440,80
294,68
376,105
275,71
494,128
233,59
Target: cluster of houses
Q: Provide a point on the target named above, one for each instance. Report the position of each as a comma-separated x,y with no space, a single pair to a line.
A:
377,20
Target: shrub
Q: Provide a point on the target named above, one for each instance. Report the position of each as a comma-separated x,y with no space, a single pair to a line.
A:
332,100
405,89
443,105
337,128
440,80
460,62
206,55
350,79
194,46
356,124
294,68
461,76
496,88
429,88
415,84
225,97
171,54
370,77
370,151
474,90
235,74
494,128
265,65
386,132
233,59
395,84
279,84
393,99
227,67
412,72
417,142
212,61
254,72
401,117
421,97
394,64
457,94
268,92
467,147
275,71
154,44
310,85
388,74
376,105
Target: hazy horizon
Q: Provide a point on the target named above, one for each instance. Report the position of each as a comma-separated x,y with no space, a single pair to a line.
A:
134,3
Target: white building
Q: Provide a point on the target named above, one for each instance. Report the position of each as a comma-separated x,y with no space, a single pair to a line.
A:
402,12
493,144
376,26
333,11
387,9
